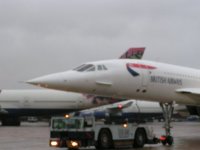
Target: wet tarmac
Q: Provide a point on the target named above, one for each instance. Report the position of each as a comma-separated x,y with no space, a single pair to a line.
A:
35,136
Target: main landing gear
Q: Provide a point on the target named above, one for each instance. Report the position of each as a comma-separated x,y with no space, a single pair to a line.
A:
167,109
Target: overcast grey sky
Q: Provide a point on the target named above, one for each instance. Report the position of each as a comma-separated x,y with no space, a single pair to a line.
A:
38,37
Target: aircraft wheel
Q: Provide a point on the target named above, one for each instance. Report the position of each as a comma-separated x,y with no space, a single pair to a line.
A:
140,139
170,140
164,142
105,139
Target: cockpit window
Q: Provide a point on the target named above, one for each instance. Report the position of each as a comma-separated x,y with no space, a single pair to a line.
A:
104,67
91,68
85,67
79,67
101,67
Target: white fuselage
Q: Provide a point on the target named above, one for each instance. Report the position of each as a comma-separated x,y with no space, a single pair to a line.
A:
131,79
47,99
45,102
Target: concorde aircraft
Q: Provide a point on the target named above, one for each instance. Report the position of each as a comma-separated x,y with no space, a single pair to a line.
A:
131,78
17,103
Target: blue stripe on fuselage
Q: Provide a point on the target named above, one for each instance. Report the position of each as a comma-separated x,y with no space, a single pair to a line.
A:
37,112
132,72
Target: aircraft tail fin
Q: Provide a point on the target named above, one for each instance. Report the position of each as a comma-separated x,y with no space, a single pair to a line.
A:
133,53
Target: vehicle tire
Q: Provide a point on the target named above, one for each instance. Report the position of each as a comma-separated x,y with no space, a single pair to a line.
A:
140,139
170,140
73,149
63,143
164,142
10,121
105,140
97,146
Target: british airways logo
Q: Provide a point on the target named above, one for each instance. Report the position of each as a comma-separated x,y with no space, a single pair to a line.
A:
131,70
130,67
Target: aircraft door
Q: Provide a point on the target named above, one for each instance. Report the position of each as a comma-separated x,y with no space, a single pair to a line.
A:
145,78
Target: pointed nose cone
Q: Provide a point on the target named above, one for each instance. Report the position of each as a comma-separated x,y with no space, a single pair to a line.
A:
41,81
66,81
49,81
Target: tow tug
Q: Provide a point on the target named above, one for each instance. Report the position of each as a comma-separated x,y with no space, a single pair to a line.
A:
76,132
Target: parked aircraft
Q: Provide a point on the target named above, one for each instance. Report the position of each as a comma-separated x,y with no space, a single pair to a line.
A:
36,102
133,110
131,79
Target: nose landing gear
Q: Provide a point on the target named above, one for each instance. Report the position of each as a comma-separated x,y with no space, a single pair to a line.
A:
167,109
